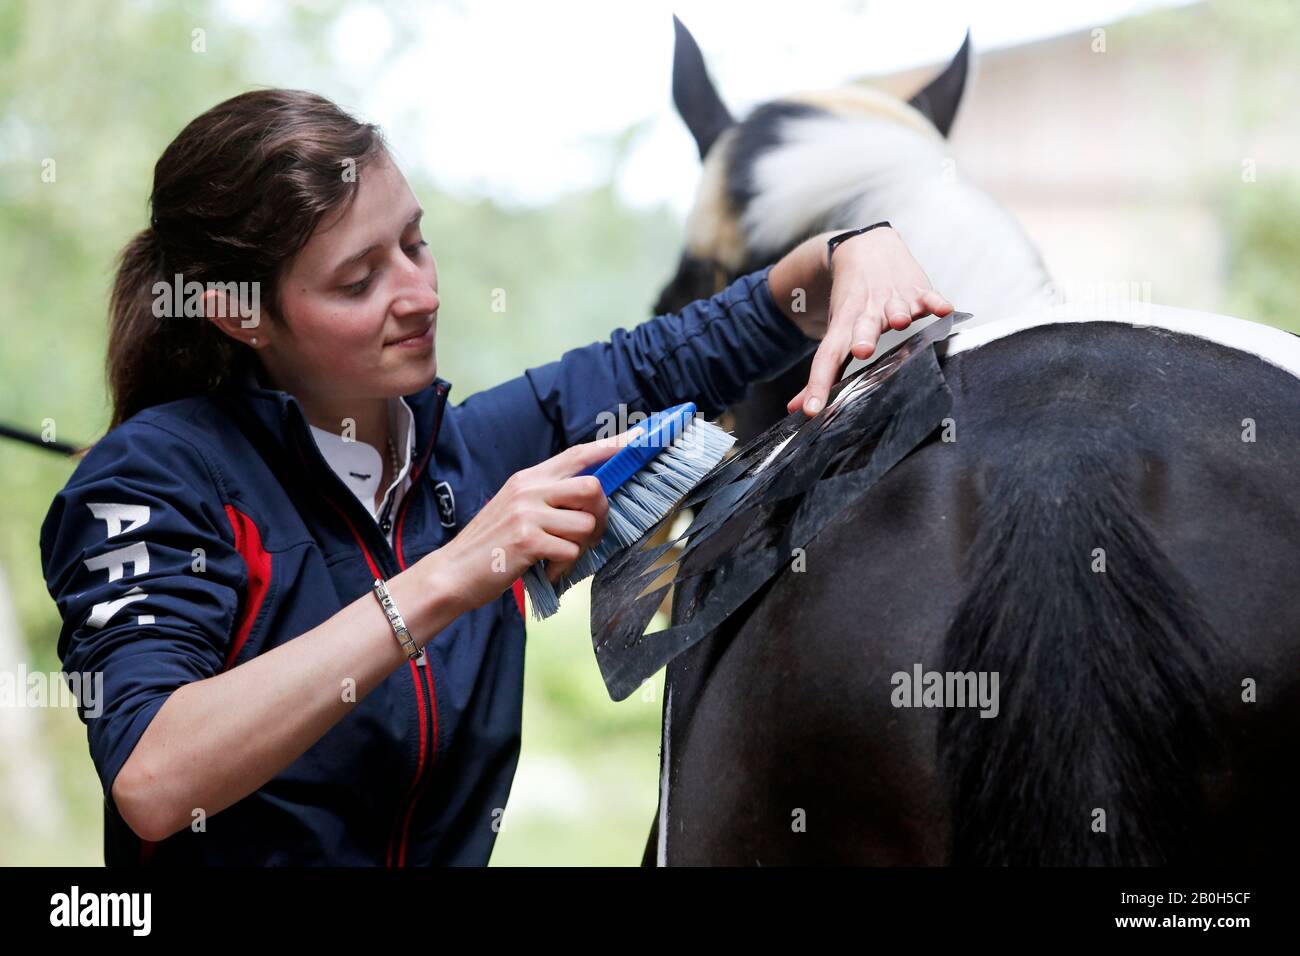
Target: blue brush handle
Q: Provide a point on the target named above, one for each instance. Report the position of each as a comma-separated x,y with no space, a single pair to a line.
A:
662,429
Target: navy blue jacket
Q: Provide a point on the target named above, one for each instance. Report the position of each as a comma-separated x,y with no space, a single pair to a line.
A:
205,531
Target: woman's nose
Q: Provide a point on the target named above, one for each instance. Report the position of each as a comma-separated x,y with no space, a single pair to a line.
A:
418,293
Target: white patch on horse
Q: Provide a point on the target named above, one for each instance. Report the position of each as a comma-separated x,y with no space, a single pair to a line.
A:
847,395
856,170
771,456
1272,345
661,856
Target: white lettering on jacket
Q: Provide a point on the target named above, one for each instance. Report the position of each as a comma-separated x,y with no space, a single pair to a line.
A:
115,561
113,515
101,614
136,555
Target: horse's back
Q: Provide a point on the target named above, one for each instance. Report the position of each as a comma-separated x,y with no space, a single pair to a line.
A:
1175,456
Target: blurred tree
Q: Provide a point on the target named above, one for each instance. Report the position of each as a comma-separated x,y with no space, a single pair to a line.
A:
90,95
1258,201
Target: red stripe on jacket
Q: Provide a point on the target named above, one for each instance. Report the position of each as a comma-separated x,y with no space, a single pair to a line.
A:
248,542
518,588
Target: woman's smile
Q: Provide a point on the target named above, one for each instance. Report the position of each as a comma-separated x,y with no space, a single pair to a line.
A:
415,340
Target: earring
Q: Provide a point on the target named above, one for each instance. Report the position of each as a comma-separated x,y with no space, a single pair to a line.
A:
254,339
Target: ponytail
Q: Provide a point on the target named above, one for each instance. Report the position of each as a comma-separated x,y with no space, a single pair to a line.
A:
153,359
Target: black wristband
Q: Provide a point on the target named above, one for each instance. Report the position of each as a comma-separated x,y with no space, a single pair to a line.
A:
834,241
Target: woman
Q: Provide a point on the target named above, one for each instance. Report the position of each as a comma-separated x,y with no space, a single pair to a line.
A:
276,478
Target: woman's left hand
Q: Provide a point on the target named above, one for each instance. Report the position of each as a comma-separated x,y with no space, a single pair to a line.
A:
875,286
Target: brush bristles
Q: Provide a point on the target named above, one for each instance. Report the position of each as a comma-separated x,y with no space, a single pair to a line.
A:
637,506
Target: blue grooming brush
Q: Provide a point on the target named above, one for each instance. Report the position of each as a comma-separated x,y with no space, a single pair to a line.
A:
643,482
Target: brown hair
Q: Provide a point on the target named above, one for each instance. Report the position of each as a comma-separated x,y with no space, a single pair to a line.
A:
236,195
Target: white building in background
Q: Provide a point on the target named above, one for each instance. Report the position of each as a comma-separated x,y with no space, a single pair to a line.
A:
1118,150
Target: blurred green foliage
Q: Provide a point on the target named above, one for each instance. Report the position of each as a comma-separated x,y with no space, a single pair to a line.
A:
1258,203
102,93
1263,269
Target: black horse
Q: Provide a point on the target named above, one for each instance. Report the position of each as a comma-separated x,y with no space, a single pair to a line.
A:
1105,534
1061,630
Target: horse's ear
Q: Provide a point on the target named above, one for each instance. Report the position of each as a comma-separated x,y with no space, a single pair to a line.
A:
697,101
941,96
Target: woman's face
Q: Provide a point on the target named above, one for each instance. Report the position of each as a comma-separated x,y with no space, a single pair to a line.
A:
360,284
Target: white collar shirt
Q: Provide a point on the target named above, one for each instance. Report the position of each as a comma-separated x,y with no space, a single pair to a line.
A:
360,465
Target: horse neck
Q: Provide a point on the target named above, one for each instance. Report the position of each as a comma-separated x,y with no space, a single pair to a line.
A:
838,173
973,250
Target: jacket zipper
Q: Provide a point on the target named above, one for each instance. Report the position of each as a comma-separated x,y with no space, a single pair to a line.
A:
422,776
396,854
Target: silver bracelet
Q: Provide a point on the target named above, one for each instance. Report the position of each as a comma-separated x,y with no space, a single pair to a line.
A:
395,619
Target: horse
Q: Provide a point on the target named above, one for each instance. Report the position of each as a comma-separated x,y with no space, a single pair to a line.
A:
1061,630
823,160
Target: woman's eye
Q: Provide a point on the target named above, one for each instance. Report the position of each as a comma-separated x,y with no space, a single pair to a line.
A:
357,288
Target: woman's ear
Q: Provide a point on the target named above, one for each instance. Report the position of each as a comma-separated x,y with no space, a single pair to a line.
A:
237,312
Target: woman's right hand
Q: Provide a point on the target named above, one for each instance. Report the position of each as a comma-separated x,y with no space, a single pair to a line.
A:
547,512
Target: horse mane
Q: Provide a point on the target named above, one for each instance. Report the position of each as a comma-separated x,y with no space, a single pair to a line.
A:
813,162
